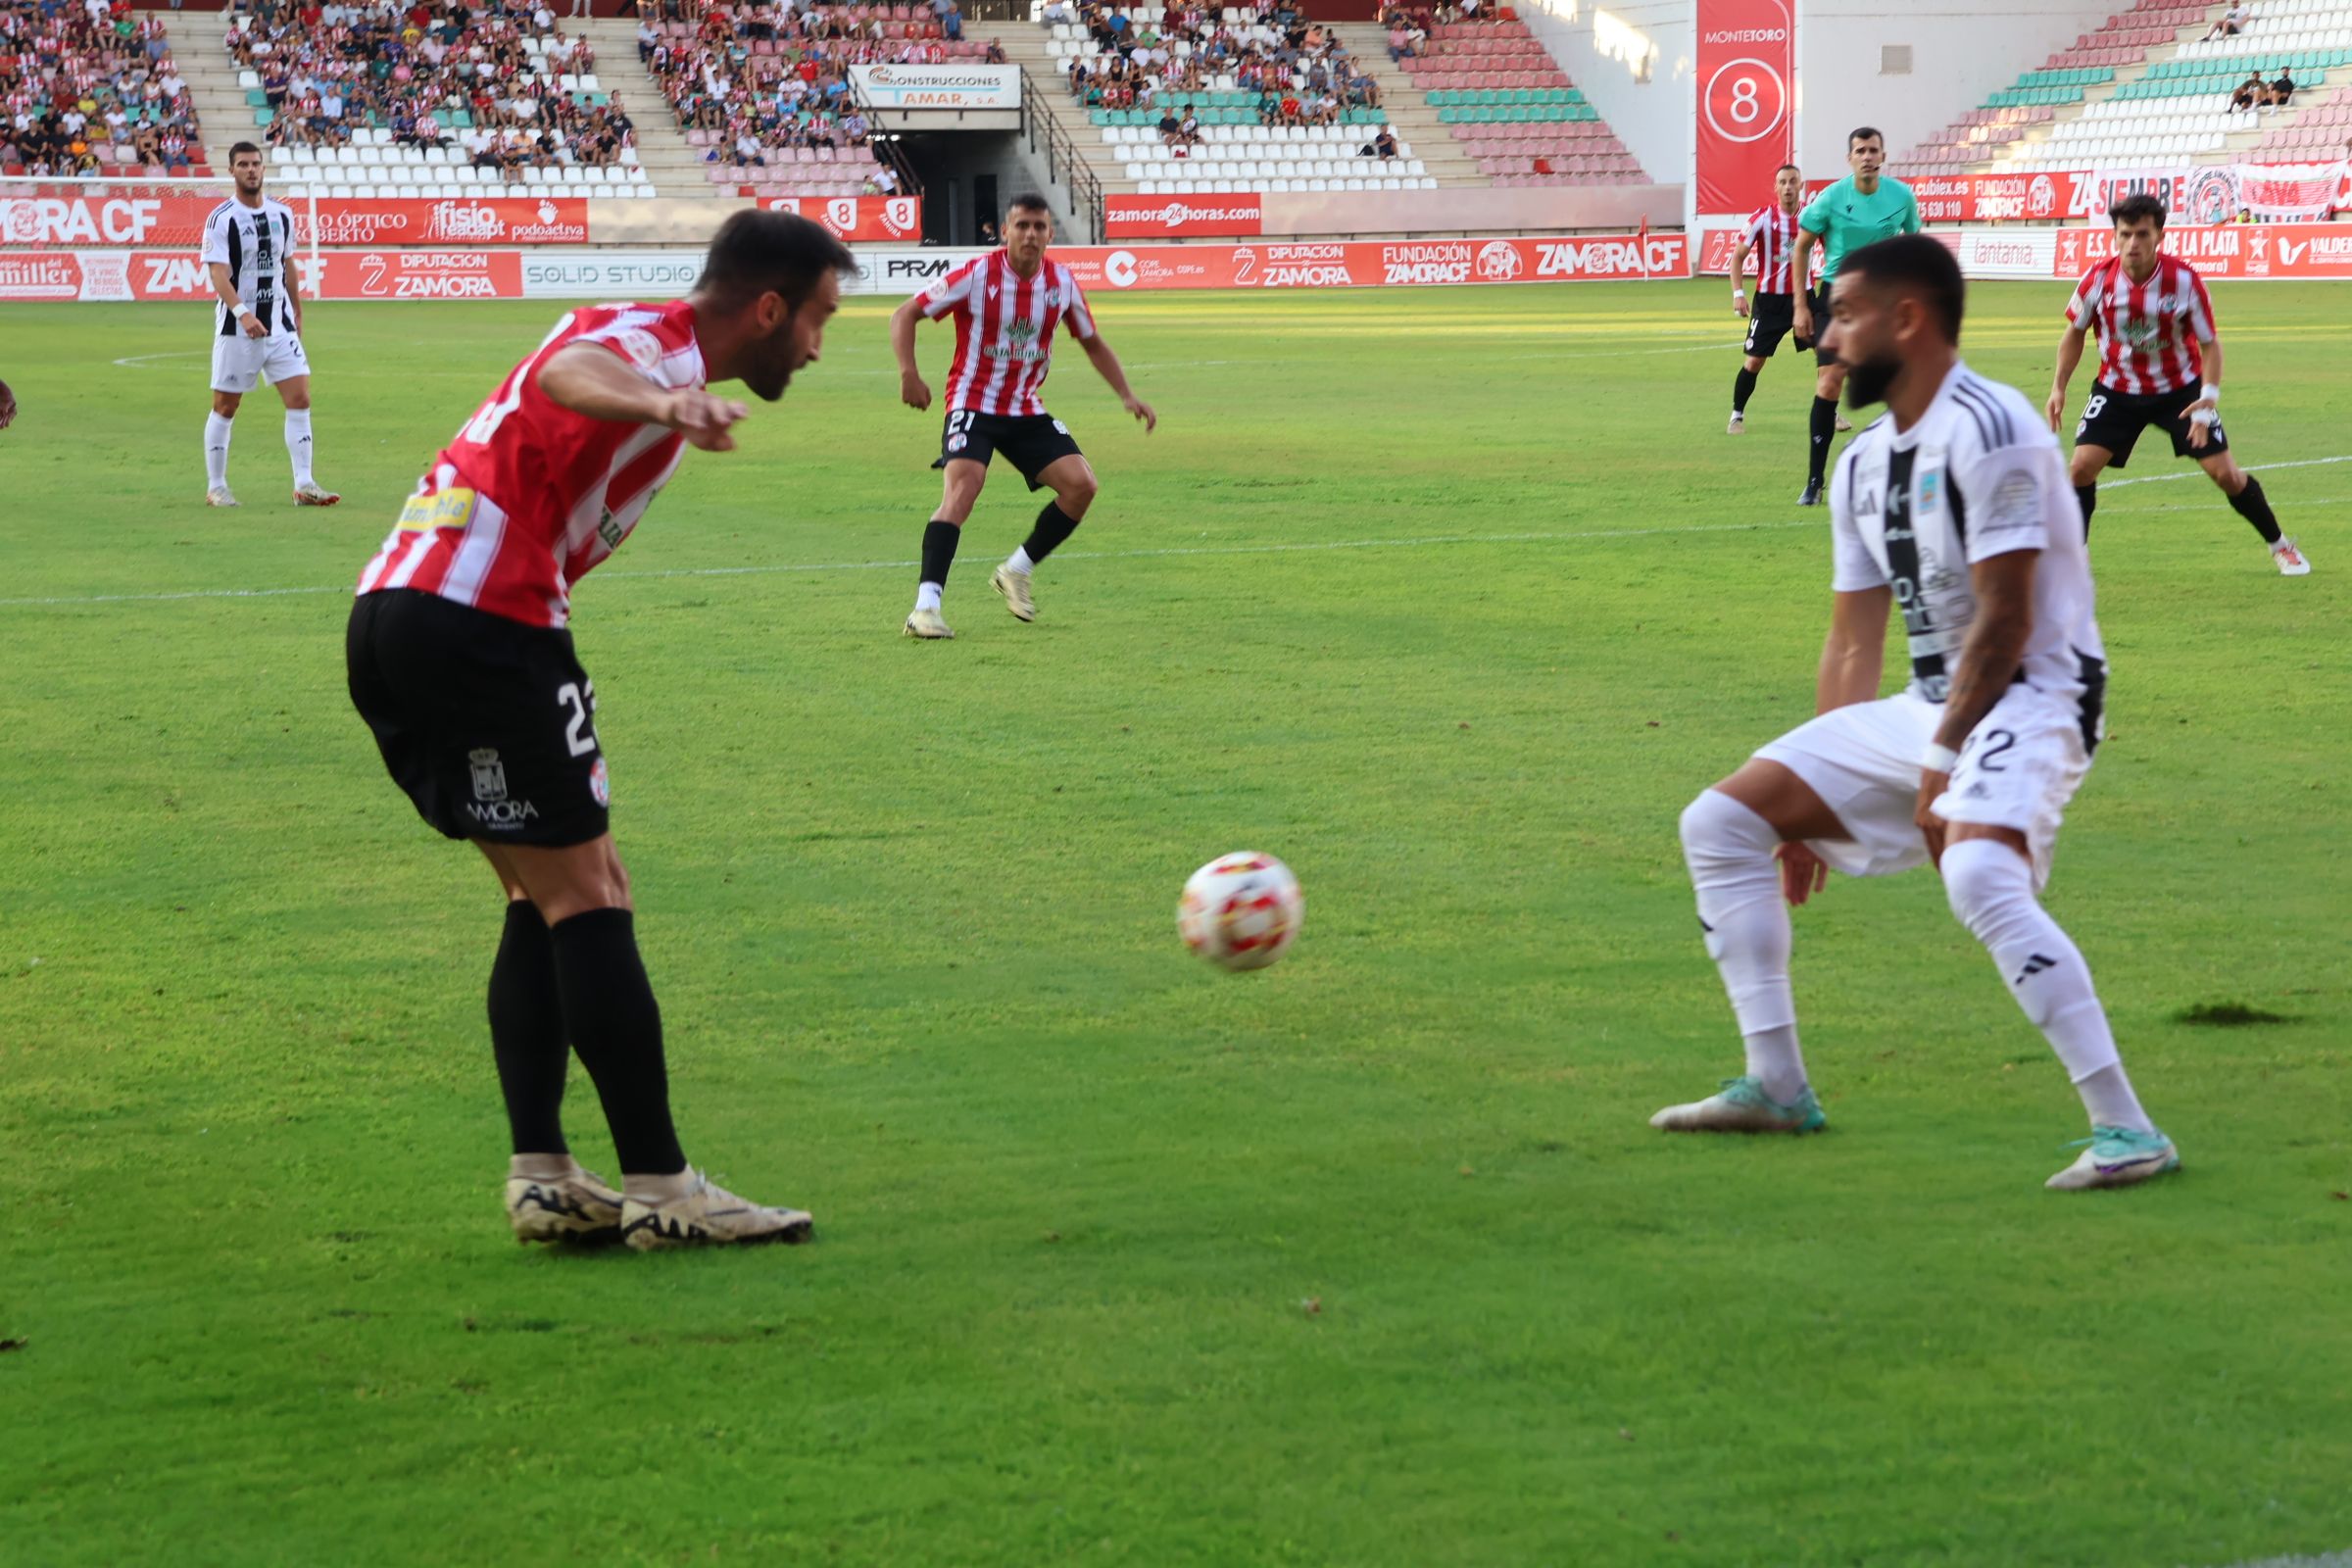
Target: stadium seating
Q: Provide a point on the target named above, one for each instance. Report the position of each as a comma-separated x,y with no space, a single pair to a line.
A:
1241,147
132,116
2319,133
567,142
764,94
1514,109
2094,59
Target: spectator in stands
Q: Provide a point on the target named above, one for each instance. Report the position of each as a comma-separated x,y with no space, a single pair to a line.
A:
1400,41
885,180
988,233
2250,93
2230,24
1188,132
2283,91
1384,145
995,55
1058,12
2246,214
1269,107
648,35
747,146
1169,128
853,128
1293,112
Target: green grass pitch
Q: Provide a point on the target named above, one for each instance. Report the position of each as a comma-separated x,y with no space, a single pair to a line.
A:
1450,598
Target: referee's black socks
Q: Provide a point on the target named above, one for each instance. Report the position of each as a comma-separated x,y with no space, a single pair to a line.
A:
1054,525
1744,387
615,1025
1825,430
2255,507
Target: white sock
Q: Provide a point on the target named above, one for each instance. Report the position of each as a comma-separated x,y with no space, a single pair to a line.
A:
1729,849
542,1167
298,443
926,595
216,450
1990,887
1019,562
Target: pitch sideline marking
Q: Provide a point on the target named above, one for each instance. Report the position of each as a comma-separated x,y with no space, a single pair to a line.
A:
175,353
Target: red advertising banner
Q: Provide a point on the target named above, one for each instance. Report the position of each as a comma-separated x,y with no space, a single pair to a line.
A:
456,272
1746,85
70,216
1168,217
854,217
1360,264
2228,251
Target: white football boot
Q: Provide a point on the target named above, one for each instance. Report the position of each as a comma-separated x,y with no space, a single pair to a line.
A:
709,1216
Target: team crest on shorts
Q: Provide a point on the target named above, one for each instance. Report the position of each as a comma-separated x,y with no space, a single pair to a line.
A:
489,774
600,784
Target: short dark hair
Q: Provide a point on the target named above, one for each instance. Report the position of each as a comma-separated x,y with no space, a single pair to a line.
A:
1029,201
1783,168
2131,209
1864,133
757,251
242,147
1921,264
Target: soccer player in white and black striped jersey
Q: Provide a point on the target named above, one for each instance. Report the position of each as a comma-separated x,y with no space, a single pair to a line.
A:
257,326
1954,509
1771,239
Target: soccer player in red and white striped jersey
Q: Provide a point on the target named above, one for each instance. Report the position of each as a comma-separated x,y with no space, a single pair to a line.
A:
1771,239
1007,305
461,662
2160,364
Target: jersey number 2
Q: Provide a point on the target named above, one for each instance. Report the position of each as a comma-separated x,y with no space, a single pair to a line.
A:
579,734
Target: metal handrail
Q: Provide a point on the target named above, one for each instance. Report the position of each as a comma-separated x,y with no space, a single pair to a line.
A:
1065,164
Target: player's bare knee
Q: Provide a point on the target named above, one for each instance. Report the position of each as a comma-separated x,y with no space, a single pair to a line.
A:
224,403
1078,495
2085,471
1752,366
298,402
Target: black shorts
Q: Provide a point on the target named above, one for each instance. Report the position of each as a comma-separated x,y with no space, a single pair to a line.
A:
487,723
1821,318
1031,443
2113,420
1771,319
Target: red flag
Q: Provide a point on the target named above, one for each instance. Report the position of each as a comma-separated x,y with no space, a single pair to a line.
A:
1642,245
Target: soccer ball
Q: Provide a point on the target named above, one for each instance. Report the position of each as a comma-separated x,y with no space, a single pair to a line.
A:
1242,910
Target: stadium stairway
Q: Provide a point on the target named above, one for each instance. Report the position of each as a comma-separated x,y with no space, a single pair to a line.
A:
676,169
212,78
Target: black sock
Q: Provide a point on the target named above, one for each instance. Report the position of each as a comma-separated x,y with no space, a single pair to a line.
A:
1744,387
526,1032
1825,429
1054,525
2089,495
2255,507
939,550
616,1026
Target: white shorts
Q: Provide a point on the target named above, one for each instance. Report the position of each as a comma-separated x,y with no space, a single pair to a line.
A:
2018,770
240,363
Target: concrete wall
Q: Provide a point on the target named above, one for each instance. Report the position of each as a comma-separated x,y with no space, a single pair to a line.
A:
1961,50
1607,51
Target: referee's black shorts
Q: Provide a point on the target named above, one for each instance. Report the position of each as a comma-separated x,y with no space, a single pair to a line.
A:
1821,318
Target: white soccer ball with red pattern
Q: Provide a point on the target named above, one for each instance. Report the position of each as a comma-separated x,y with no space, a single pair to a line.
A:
1242,910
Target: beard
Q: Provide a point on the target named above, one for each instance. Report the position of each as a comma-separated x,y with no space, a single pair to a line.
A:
1867,383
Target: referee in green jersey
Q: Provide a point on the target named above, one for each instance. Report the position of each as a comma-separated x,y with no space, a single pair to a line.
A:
1862,209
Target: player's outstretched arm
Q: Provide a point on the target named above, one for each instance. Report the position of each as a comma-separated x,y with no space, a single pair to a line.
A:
2069,355
592,380
1739,277
1988,666
912,390
1107,365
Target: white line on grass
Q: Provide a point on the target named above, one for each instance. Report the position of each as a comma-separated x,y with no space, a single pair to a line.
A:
1316,546
2199,474
175,353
